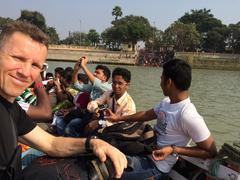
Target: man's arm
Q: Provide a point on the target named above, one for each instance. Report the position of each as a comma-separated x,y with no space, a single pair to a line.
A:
138,116
84,61
93,105
75,72
42,111
204,149
65,147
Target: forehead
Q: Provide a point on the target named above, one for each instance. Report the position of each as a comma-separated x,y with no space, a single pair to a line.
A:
118,78
21,44
99,70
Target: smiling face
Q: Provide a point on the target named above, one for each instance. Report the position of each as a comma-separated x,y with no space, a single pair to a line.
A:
21,61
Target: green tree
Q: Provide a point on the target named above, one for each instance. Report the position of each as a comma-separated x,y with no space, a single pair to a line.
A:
204,20
4,21
53,35
93,37
117,12
182,37
112,38
131,29
208,26
35,18
76,38
156,40
233,38
215,40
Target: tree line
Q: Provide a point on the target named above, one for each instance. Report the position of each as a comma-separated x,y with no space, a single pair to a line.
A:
197,30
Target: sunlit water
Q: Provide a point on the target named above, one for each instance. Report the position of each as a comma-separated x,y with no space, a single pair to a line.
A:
216,95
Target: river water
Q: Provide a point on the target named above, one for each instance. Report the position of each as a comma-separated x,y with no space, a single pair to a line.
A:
215,93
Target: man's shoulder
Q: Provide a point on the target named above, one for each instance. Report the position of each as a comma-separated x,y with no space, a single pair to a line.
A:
126,98
98,83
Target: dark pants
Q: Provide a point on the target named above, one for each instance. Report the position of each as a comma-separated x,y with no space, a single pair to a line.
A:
143,169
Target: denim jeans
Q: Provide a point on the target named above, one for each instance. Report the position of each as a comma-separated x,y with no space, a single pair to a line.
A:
73,128
60,124
143,169
76,126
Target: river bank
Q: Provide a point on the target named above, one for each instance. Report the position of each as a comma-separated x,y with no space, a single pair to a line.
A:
197,60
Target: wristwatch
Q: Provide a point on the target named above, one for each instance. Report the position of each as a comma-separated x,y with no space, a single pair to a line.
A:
174,153
88,147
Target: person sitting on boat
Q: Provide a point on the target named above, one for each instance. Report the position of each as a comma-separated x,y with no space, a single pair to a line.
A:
50,86
23,50
99,79
37,105
177,123
62,116
99,85
118,100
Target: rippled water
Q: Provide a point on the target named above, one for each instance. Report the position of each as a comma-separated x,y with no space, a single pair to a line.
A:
215,93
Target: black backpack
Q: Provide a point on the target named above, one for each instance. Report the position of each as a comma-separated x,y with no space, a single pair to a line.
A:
132,138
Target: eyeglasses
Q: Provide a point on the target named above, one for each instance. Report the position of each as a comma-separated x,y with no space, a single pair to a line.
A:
119,83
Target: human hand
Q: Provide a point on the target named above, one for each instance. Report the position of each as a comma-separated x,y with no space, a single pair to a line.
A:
56,82
110,116
103,150
161,154
83,61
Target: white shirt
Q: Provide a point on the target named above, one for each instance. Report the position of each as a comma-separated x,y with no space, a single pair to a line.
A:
122,107
177,124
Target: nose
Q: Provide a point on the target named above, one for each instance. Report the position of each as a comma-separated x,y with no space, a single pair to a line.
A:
25,70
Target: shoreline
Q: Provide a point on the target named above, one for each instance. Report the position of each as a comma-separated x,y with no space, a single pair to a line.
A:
211,61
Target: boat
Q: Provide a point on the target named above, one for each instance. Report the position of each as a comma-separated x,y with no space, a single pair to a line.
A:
225,166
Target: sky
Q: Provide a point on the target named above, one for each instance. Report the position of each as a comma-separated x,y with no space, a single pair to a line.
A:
82,15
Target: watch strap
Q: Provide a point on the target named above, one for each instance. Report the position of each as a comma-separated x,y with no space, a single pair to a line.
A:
88,147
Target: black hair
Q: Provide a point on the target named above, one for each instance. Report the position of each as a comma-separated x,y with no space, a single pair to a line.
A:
25,28
67,74
125,73
69,69
83,77
49,75
179,71
58,70
106,71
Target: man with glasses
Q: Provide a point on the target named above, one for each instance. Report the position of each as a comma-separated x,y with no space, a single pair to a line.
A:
118,100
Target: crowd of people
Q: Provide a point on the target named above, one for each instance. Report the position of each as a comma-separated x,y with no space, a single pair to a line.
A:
79,104
154,57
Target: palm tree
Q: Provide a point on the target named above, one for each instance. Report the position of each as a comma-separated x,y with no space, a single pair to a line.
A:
117,12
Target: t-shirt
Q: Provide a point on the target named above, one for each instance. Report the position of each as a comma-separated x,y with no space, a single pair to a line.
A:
23,124
177,124
96,89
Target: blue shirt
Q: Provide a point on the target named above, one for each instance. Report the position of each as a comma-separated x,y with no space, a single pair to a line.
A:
96,89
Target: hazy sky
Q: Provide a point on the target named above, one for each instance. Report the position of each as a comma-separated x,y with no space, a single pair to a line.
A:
75,15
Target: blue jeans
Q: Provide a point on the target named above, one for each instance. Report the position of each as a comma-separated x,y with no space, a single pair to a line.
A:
73,128
76,126
143,169
60,124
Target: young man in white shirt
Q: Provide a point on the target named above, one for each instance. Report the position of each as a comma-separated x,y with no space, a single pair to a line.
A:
118,100
177,123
